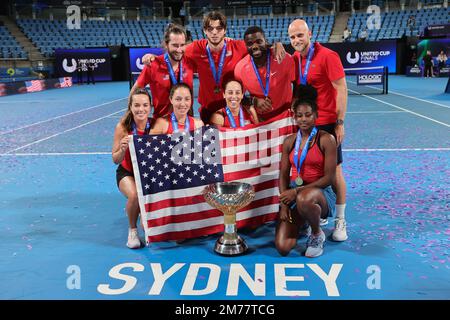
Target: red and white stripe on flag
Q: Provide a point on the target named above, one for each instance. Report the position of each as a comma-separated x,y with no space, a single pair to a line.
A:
251,155
65,82
34,85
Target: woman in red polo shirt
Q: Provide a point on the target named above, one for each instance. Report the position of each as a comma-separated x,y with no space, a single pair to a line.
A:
136,121
308,168
234,115
178,120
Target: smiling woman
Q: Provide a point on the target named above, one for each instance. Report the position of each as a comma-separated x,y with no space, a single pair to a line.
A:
181,101
136,121
308,168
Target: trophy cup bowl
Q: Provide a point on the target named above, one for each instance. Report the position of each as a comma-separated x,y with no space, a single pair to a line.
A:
229,197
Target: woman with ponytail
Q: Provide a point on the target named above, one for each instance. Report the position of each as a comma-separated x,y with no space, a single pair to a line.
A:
136,121
308,168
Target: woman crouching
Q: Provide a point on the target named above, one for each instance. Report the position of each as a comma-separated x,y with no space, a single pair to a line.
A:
308,167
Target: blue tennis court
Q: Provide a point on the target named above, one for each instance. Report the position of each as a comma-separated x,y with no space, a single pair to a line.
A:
64,227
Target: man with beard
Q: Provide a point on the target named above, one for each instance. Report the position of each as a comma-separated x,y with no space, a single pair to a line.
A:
321,68
268,82
167,70
215,58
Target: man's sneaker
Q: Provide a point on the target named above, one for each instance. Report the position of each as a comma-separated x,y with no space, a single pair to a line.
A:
133,239
340,230
323,222
314,246
305,231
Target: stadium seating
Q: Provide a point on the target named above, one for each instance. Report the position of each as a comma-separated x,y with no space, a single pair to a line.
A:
10,48
275,28
48,35
394,24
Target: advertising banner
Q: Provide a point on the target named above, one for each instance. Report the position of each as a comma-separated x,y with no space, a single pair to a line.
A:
36,85
366,54
67,62
136,55
413,71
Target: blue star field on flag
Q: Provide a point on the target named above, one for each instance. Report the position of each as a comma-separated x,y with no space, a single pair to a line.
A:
178,161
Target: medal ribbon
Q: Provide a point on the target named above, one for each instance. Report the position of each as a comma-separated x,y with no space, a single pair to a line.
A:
134,128
175,123
217,75
302,77
231,118
304,151
266,88
172,73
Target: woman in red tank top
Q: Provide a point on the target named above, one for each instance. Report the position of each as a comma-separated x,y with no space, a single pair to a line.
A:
178,120
308,167
234,115
136,121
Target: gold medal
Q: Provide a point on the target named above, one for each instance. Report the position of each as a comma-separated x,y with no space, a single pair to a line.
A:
298,181
216,90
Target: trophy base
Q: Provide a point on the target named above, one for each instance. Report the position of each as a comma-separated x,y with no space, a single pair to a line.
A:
230,247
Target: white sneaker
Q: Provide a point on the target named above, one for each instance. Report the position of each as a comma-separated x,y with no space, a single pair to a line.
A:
340,230
323,222
315,245
133,239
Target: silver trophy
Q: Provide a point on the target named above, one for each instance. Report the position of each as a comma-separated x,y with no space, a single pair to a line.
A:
229,197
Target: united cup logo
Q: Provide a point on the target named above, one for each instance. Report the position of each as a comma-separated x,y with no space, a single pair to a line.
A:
352,60
139,64
67,68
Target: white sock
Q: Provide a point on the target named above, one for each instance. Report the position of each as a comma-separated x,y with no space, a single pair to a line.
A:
340,211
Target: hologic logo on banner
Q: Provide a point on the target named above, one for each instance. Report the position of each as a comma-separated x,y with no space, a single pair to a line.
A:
415,70
370,78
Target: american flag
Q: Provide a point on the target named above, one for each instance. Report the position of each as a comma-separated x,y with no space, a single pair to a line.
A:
34,85
65,82
171,172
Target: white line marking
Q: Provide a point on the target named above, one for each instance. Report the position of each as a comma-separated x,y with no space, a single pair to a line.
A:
109,153
406,110
54,154
65,131
395,150
61,116
32,101
405,95
375,112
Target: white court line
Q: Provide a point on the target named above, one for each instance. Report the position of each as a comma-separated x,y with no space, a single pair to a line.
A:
374,112
411,97
65,131
398,149
31,101
61,116
54,154
403,109
405,95
109,153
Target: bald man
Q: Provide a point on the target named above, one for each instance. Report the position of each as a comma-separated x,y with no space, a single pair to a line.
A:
322,68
